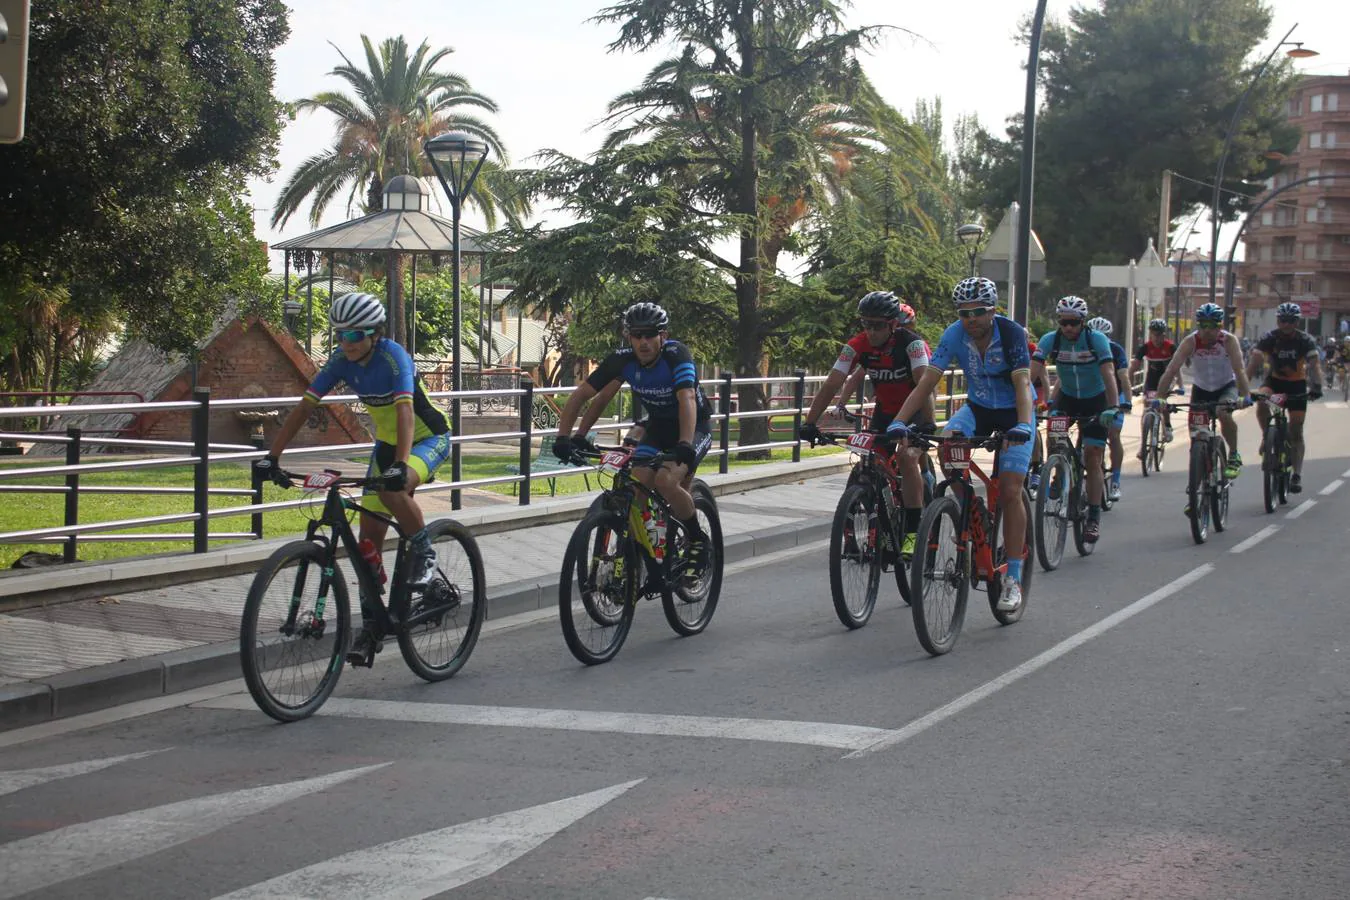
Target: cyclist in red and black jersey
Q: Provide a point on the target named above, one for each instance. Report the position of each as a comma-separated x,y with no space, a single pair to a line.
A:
893,357
1156,353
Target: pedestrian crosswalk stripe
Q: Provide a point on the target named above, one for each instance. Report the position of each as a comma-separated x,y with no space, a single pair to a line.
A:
20,779
43,860
434,862
816,734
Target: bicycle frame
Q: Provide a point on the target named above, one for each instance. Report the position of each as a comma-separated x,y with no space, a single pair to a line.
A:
954,458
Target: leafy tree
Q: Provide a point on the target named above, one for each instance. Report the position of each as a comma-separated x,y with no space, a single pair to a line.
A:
755,122
122,203
400,101
1133,87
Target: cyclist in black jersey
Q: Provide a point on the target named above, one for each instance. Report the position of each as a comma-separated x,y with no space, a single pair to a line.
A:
676,412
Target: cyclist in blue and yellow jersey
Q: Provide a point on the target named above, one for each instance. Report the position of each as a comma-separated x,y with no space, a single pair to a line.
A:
1121,360
1217,375
1085,387
992,351
676,421
411,435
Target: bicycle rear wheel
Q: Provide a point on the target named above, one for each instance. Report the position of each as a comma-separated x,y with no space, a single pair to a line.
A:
1197,491
855,555
1282,482
1270,468
1079,512
443,621
1052,512
1218,486
939,577
597,589
995,588
690,607
295,628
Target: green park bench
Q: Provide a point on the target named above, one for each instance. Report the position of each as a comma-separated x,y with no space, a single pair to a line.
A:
546,465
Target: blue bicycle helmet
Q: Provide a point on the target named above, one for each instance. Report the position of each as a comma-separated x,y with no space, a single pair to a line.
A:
1209,312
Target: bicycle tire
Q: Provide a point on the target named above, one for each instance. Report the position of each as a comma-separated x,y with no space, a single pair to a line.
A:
1148,436
939,578
995,590
1196,492
1283,480
1080,513
601,540
690,607
465,622
1270,469
1051,536
1159,445
856,498
1219,486
254,658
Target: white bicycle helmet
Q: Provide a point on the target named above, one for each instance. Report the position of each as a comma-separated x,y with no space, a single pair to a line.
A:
975,290
357,311
1072,306
1100,323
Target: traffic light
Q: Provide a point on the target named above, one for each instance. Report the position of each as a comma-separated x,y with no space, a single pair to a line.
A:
13,68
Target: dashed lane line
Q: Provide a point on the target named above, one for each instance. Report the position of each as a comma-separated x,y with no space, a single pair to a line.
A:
1255,539
1300,509
1331,488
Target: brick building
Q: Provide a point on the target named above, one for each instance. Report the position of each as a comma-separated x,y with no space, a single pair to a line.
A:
1298,246
244,357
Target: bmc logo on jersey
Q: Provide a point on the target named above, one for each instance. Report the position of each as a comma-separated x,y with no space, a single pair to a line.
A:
888,374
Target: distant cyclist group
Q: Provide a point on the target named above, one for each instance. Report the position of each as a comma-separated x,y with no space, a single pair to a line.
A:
656,502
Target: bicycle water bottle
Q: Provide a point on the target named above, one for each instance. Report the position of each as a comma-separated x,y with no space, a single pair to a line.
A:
372,556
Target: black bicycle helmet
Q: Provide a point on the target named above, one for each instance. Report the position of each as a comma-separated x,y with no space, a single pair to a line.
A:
645,315
879,305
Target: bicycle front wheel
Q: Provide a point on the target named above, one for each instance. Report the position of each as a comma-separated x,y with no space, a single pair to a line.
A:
1148,435
597,589
855,555
294,631
1078,511
690,607
1197,491
1270,468
443,621
1218,486
939,577
1052,512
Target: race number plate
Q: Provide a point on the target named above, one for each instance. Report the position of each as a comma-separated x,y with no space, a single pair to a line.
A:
1277,400
1198,419
1057,425
862,442
955,456
614,460
320,480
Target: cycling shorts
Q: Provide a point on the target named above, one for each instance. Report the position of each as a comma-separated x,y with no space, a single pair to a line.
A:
425,458
1296,393
661,435
1152,377
1094,435
975,420
1226,394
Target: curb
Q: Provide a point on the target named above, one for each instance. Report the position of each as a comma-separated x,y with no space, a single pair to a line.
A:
100,687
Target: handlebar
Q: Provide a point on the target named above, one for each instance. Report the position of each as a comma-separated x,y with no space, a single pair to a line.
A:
993,441
583,455
338,479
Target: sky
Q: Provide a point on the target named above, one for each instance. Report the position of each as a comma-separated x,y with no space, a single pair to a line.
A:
548,69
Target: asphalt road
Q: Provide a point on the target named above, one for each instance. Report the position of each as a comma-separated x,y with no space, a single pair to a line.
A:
1166,721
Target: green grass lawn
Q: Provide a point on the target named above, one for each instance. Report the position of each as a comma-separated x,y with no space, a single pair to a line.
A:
23,512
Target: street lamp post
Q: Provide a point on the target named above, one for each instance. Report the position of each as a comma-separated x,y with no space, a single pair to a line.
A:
970,235
1297,51
456,157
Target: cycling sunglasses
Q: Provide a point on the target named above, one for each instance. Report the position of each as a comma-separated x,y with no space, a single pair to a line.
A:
643,333
1207,324
1071,323
354,335
1282,319
975,312
874,324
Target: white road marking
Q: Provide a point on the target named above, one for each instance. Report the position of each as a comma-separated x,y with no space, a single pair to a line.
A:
1255,539
19,779
46,859
1300,509
1040,661
432,863
1331,488
814,734
1334,404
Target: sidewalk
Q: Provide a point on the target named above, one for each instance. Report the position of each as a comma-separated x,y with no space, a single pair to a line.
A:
66,658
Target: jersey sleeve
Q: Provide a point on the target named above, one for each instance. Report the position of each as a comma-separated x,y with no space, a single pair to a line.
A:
1043,346
1140,352
1267,342
610,369
683,372
1309,346
327,378
1118,354
1101,348
402,373
918,354
848,356
949,347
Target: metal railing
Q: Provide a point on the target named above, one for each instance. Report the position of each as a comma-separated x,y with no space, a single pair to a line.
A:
201,453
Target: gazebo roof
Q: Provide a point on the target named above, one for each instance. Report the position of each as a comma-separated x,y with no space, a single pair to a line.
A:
401,230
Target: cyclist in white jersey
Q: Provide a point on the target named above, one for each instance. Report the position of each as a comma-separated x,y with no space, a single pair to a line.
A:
1217,374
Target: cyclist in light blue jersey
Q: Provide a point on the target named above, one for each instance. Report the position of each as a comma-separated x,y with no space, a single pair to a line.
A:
992,351
1086,386
1121,360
